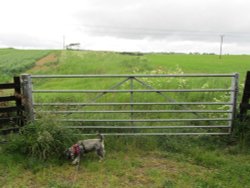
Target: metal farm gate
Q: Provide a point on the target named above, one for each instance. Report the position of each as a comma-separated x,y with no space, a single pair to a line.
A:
185,104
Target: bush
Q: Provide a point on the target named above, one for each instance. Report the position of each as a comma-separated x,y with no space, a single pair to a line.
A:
43,140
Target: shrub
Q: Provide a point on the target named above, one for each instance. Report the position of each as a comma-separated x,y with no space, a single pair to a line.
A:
43,139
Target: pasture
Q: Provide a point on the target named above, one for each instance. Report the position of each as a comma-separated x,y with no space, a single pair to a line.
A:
200,161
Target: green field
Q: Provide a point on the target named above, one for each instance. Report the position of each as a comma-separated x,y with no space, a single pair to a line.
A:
13,62
88,62
202,162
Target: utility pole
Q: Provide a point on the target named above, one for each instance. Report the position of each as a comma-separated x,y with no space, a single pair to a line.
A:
221,43
63,42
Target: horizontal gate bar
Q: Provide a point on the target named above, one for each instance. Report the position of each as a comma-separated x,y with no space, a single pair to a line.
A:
132,76
133,103
142,120
129,91
146,127
158,134
136,111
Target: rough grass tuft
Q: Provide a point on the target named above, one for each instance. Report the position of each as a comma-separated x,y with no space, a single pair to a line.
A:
42,140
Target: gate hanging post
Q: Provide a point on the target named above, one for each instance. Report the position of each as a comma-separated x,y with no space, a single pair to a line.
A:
233,100
131,99
27,95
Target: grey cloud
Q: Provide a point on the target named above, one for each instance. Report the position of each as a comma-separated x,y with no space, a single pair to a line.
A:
195,20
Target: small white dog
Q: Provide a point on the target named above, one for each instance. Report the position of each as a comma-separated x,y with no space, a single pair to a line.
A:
84,146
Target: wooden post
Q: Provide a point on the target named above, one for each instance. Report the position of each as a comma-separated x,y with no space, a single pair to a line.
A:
18,99
244,105
27,97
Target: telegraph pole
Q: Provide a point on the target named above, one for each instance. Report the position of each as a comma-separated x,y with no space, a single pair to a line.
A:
221,43
63,42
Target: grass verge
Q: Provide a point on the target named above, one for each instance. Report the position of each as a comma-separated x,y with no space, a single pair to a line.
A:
138,162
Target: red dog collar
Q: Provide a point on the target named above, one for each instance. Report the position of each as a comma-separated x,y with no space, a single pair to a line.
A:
76,149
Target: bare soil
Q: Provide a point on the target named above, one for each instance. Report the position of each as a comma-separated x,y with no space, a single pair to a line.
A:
42,64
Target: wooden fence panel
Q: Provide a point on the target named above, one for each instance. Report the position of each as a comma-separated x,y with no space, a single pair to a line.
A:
11,114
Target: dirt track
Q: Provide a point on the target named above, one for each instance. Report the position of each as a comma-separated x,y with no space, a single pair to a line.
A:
42,64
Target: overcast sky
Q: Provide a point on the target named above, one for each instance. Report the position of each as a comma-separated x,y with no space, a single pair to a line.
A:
128,25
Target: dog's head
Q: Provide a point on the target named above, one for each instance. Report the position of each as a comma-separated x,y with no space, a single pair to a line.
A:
73,151
69,154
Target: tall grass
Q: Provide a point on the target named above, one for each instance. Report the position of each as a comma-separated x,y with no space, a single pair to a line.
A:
42,139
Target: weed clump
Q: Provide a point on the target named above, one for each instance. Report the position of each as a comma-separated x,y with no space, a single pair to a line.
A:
42,140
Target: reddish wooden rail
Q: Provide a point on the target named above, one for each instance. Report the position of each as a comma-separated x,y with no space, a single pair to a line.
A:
11,114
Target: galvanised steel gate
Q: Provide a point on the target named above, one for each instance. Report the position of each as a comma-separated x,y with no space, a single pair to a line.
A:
185,104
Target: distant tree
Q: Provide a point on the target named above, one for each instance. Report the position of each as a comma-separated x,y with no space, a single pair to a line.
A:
73,46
